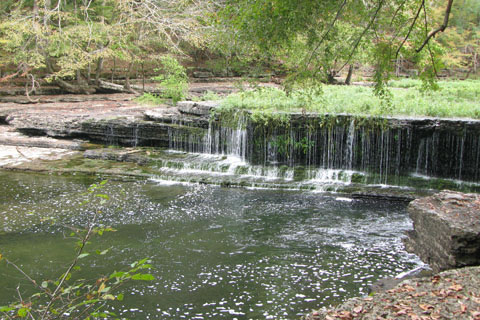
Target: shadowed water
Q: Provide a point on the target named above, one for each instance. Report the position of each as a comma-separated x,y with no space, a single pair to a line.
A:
217,253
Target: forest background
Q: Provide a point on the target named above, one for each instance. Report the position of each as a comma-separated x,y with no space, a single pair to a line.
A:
76,44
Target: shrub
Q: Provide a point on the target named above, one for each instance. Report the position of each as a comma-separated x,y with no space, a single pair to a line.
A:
173,79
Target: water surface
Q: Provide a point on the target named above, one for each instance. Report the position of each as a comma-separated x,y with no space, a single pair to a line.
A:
218,253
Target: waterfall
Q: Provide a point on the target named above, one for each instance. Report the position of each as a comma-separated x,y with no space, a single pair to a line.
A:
350,143
216,139
342,143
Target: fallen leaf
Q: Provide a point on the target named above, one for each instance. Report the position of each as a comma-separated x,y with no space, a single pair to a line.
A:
426,307
456,287
358,309
413,316
409,288
435,279
401,312
419,294
345,315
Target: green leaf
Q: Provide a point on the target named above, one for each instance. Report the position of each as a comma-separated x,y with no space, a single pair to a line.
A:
45,284
83,255
143,276
118,274
6,308
105,290
22,312
108,297
120,297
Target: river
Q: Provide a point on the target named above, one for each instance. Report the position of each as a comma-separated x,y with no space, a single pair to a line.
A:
217,253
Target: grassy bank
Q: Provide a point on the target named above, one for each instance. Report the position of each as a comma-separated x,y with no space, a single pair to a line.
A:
453,99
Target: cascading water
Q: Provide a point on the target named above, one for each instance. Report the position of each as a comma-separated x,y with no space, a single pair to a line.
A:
333,150
215,140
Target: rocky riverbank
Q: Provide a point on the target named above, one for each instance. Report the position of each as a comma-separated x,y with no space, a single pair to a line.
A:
448,295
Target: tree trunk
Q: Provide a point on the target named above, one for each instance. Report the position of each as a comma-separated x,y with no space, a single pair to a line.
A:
89,73
143,76
35,9
79,88
127,86
127,76
74,88
475,62
99,70
331,77
348,80
46,17
114,67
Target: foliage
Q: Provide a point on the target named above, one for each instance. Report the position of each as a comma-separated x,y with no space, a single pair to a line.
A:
319,39
150,99
461,42
207,96
173,80
68,39
70,296
453,99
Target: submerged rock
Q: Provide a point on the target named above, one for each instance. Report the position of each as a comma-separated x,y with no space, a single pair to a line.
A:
446,230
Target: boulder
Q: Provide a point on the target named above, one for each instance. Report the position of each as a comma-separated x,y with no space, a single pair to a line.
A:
446,231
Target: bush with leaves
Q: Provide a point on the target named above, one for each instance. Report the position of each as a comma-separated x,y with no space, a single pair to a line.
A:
70,296
173,79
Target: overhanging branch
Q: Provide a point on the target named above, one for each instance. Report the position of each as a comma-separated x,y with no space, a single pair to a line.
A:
440,29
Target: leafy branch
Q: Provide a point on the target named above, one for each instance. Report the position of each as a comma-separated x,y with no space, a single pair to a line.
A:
75,299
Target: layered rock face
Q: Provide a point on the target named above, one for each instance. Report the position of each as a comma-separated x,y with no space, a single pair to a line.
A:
387,149
446,231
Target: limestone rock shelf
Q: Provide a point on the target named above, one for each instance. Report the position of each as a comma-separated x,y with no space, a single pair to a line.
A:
446,231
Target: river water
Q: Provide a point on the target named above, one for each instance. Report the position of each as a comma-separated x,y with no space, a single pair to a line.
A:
217,253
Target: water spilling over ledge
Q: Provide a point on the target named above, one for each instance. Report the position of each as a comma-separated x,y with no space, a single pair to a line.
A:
424,152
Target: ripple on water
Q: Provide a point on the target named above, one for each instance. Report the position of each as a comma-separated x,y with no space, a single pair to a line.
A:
217,253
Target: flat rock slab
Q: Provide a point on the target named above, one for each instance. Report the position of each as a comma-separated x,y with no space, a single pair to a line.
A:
9,137
201,108
453,294
446,230
12,156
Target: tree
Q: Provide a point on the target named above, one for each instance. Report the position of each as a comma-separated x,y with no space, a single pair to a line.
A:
66,39
461,42
333,34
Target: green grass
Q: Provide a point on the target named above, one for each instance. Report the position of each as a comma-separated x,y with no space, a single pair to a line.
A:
208,96
453,99
150,99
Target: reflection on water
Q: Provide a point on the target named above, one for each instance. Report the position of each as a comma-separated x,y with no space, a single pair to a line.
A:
217,252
